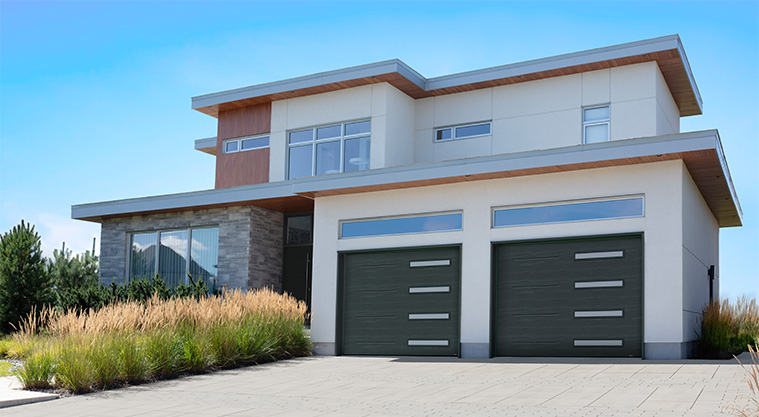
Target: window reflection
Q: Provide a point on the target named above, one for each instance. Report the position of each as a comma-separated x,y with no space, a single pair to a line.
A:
597,210
417,224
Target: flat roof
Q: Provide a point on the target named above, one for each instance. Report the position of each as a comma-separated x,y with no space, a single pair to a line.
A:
667,51
700,151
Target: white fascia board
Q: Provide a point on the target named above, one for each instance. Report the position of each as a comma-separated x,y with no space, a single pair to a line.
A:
313,80
688,71
487,74
182,200
621,149
205,143
556,62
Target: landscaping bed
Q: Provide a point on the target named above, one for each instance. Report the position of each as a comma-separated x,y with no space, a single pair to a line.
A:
134,342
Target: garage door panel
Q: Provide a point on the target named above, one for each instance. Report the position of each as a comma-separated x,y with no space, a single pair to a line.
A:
407,306
550,294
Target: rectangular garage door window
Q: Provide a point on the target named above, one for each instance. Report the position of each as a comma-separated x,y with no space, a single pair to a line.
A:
401,225
564,213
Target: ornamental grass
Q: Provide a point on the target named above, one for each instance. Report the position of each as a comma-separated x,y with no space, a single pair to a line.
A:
728,328
135,342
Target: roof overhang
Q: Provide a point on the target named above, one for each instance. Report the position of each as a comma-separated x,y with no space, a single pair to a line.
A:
667,51
207,145
701,153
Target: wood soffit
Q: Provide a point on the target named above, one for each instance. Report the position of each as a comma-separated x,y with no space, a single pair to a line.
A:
703,165
671,64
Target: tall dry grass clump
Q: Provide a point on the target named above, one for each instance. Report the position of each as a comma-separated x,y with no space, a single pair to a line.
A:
728,328
133,342
752,378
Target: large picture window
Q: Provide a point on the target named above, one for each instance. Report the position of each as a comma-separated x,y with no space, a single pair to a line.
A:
172,254
343,147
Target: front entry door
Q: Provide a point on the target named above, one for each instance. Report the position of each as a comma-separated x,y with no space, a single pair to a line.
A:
296,273
296,268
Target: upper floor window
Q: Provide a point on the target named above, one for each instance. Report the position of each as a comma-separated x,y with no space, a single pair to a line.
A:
331,149
462,131
595,124
246,144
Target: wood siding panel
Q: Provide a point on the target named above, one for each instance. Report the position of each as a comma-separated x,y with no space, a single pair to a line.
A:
244,167
244,121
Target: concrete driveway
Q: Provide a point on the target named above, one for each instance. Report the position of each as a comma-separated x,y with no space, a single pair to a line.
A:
378,386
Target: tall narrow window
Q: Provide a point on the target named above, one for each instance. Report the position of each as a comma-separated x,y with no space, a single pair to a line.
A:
172,257
595,124
343,147
142,259
204,255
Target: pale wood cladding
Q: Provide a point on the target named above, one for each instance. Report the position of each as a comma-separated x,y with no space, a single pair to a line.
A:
244,167
704,168
670,63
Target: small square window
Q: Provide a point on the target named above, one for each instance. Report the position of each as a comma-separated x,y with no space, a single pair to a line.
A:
231,146
443,134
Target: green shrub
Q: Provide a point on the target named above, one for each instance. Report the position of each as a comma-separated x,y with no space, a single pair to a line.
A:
36,370
24,283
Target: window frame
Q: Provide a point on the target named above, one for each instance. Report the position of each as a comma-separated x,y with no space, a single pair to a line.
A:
586,124
157,242
314,142
397,217
239,143
453,128
641,197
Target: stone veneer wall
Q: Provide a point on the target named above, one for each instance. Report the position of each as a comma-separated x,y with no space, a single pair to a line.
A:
250,243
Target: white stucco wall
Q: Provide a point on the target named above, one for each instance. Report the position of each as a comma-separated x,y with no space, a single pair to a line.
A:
547,113
661,184
700,250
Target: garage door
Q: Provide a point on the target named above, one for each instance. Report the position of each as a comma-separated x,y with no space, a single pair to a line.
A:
401,302
580,297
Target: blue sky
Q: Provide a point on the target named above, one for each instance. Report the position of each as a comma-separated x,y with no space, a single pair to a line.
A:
95,96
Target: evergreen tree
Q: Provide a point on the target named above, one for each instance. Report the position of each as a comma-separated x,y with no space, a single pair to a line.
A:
24,282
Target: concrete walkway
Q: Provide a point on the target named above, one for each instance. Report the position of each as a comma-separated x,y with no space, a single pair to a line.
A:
12,395
376,386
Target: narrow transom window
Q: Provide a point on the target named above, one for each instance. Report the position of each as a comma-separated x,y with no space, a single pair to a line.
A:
595,124
618,208
463,131
246,144
438,222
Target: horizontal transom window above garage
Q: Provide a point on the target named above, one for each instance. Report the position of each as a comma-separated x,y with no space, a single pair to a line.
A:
569,211
420,223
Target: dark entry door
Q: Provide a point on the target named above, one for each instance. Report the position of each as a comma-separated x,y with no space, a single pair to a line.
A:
574,297
296,273
296,268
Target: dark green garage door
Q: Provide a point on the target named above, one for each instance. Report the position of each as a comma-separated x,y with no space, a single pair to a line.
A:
401,302
579,297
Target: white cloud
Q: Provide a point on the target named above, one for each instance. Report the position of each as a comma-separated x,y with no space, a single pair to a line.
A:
55,229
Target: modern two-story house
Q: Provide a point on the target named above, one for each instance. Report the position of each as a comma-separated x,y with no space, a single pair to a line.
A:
544,208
